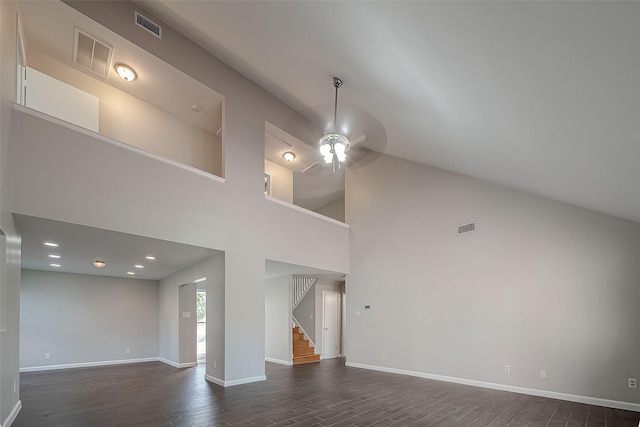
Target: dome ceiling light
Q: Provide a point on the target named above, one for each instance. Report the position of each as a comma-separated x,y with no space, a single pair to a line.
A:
334,146
125,72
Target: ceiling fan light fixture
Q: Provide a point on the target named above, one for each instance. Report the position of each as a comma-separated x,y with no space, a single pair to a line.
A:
334,146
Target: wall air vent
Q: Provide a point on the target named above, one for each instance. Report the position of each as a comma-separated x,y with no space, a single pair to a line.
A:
467,228
92,54
148,25
313,168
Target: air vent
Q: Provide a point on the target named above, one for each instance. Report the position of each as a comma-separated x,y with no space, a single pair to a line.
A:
313,169
148,25
92,54
467,228
219,133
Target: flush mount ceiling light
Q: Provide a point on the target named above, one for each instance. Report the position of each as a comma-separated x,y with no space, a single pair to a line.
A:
334,146
139,266
51,244
131,273
125,72
289,156
150,257
99,264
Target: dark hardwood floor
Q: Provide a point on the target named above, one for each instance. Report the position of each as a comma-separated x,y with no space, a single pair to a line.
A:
320,394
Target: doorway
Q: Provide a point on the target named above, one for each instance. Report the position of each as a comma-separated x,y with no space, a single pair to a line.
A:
201,325
331,324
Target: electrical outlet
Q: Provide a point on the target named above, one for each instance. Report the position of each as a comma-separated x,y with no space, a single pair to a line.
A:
632,382
384,355
127,350
543,374
15,386
507,369
47,355
357,313
214,364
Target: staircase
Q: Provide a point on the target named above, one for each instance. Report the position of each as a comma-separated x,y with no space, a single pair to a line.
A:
302,351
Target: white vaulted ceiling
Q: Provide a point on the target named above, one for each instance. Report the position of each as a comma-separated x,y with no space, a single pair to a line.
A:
539,96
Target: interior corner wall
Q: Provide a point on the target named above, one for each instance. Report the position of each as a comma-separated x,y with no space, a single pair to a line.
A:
10,268
539,285
305,313
277,325
79,319
213,269
333,209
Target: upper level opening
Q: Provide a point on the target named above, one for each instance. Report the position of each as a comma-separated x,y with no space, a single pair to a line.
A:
302,179
70,74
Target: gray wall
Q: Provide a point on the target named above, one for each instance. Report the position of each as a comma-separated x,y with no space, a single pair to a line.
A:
10,259
305,313
277,324
539,285
79,318
187,333
171,342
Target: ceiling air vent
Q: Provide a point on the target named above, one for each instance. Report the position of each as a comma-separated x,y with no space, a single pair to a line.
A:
149,25
467,228
313,168
92,54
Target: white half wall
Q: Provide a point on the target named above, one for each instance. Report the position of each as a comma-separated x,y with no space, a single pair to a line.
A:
540,285
80,319
277,324
128,119
61,100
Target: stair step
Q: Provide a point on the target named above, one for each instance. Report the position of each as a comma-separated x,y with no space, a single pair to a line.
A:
296,330
303,351
298,337
301,343
306,359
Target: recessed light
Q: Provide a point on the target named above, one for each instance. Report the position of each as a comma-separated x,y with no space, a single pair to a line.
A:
150,257
289,156
131,273
54,256
53,245
139,266
125,72
99,264
54,265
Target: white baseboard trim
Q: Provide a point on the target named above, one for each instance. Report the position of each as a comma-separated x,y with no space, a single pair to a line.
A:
629,406
87,364
235,382
214,380
13,414
280,361
178,365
